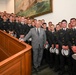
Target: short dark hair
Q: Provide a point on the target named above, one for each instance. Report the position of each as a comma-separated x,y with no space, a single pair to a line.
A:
44,23
73,19
64,21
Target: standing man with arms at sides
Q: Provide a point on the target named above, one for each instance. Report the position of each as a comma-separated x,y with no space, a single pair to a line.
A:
38,36
72,44
64,48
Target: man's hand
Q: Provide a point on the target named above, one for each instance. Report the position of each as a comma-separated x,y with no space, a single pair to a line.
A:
21,40
21,36
57,46
45,43
52,45
74,49
65,47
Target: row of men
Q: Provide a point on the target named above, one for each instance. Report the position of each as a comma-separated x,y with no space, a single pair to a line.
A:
62,41
62,45
18,25
59,47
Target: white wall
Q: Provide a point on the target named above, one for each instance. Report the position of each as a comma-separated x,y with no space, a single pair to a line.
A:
7,5
2,5
62,9
10,6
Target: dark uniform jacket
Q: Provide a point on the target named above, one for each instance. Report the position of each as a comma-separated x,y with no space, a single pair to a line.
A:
29,27
11,26
4,26
56,37
63,37
50,37
22,29
0,21
72,37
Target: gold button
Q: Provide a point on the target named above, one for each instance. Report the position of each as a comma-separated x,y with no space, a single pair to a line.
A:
73,41
62,38
72,38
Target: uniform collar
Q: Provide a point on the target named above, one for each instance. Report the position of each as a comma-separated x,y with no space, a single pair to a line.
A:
64,28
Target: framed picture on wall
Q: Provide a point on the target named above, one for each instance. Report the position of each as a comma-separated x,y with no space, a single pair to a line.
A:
33,8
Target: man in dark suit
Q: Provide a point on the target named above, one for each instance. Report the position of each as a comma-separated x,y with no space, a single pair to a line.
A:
4,24
38,41
52,51
57,51
29,26
49,43
64,48
21,28
1,19
11,25
72,43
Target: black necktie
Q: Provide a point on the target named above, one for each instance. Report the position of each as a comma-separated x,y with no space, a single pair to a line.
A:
37,31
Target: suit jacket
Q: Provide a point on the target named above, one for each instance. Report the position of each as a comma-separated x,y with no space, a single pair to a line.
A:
37,40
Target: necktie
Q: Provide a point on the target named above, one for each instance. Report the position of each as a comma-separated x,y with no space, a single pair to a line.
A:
37,31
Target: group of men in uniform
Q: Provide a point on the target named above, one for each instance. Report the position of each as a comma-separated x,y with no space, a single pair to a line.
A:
60,40
61,46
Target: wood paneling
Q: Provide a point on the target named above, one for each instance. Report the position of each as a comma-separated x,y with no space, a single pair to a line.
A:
15,56
2,55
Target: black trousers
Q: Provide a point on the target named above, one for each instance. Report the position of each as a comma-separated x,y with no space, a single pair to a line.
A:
74,67
52,60
46,56
57,61
66,60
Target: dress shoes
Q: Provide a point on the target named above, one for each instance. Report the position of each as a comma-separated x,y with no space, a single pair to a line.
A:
36,69
60,73
51,66
56,70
